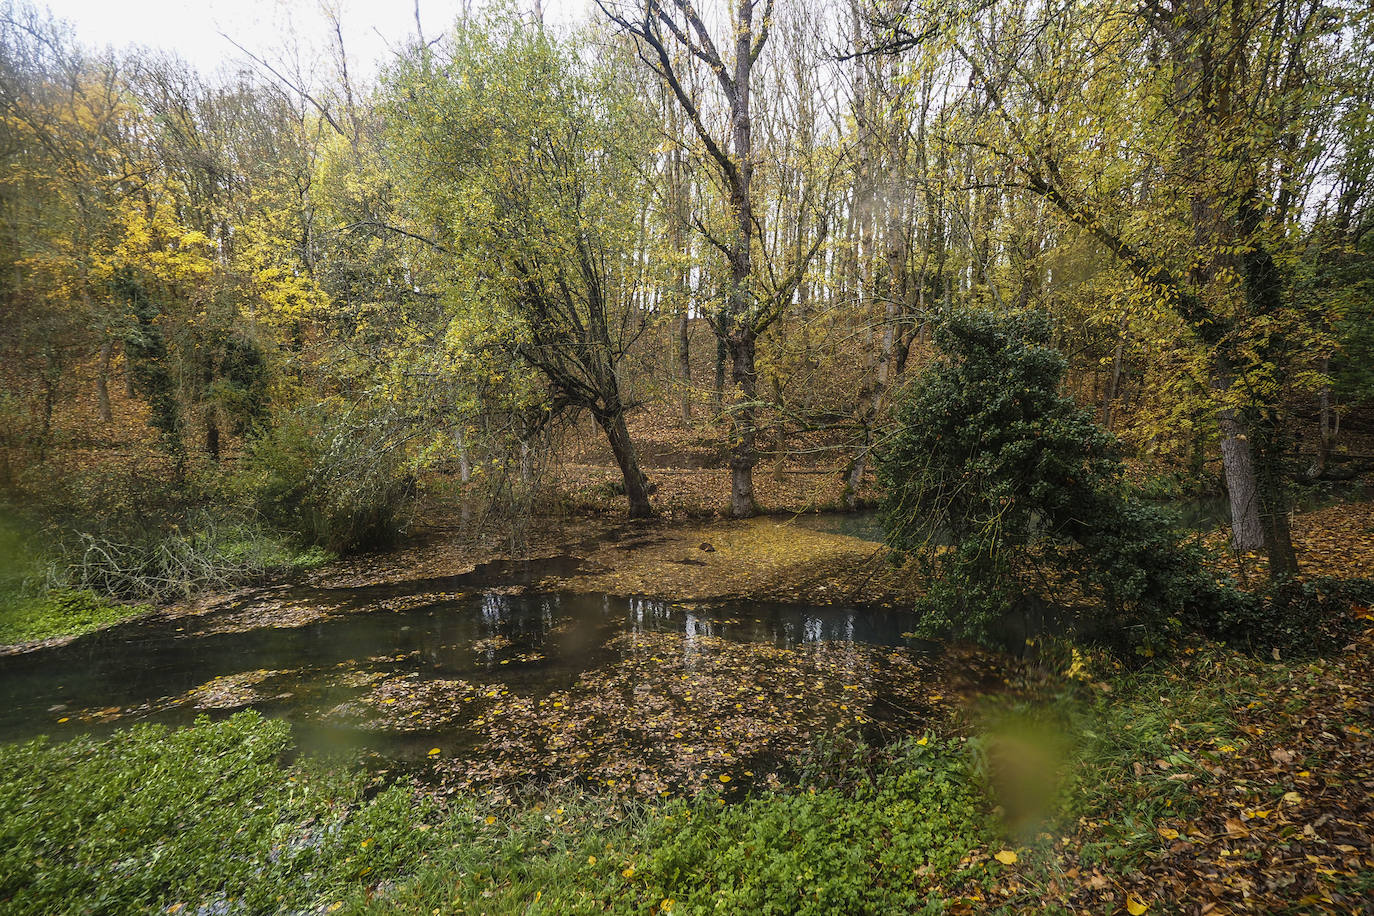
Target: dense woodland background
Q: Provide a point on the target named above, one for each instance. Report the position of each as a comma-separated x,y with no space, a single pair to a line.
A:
678,259
1026,275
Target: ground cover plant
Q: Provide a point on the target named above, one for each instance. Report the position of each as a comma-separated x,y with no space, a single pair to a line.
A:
152,819
1222,781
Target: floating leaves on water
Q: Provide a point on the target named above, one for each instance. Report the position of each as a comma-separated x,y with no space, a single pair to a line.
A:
675,713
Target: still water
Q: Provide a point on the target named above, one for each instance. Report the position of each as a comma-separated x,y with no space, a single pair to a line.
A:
399,671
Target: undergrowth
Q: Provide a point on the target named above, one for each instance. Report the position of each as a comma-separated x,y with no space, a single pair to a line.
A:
207,816
80,581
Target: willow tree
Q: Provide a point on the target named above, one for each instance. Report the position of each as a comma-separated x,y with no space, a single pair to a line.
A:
525,165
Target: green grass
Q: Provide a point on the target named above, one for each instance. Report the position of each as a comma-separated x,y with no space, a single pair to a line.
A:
151,818
60,612
223,556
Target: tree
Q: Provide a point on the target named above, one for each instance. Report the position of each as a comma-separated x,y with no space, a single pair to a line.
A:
1028,494
672,37
1233,100
526,165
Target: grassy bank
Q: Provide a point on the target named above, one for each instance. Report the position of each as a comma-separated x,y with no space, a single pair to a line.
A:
60,612
1213,778
87,582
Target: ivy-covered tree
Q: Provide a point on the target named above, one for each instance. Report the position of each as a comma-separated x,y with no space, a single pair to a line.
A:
1003,488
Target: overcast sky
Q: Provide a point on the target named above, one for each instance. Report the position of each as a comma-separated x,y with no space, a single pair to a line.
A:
192,27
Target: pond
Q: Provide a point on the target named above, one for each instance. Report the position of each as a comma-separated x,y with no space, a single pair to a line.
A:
467,685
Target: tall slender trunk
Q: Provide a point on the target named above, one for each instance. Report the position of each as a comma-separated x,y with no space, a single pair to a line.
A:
743,453
526,465
1271,482
102,380
460,441
684,360
1326,428
1242,490
718,385
129,391
1114,382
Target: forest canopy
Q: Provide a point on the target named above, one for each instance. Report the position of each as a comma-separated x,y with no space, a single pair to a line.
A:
289,299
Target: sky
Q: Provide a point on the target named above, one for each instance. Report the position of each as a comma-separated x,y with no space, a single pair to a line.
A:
192,28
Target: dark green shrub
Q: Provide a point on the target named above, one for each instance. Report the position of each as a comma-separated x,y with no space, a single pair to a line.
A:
1293,617
1004,489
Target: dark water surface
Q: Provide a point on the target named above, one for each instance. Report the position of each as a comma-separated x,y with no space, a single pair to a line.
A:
420,634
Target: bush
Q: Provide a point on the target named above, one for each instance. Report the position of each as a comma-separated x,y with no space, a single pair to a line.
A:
1002,487
1293,617
340,483
213,553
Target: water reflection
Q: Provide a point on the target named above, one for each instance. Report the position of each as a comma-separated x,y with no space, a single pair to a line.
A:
527,644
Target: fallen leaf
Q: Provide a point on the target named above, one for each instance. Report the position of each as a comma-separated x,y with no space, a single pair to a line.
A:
1006,857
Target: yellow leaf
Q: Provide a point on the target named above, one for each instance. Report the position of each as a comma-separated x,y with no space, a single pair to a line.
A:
490,820
1006,857
923,740
1135,906
724,777
667,905
629,872
434,752
591,860
1168,833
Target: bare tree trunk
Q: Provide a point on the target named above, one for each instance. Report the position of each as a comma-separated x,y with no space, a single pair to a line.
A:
1241,488
718,388
526,464
1114,384
743,454
1326,429
636,485
460,438
128,375
102,380
684,360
